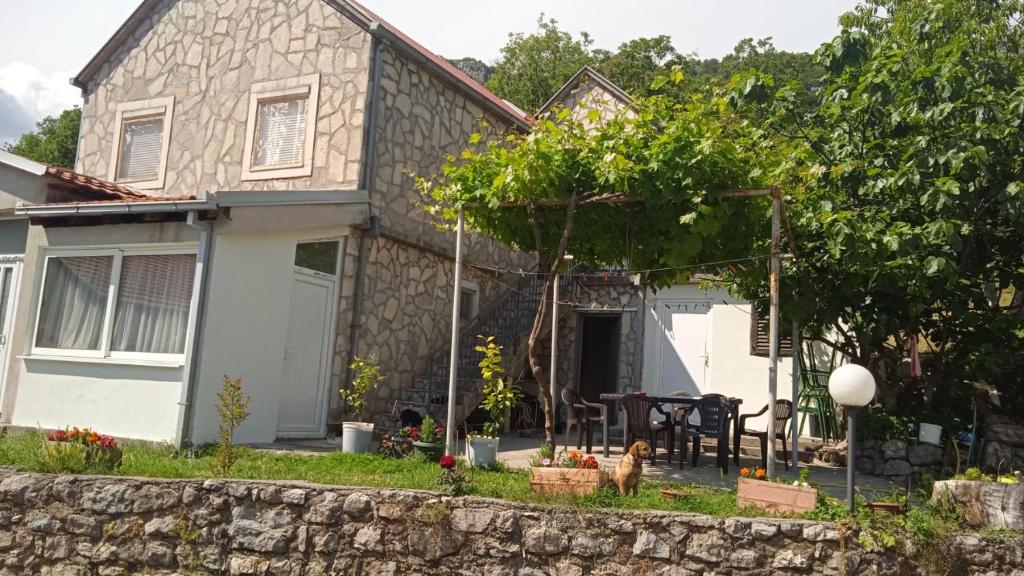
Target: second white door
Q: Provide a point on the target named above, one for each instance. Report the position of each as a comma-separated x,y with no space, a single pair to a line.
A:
303,411
684,352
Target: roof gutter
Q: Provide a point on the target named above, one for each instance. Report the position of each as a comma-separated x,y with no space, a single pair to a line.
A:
225,199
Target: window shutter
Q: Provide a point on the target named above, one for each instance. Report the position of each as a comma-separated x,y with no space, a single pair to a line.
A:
759,337
281,133
141,145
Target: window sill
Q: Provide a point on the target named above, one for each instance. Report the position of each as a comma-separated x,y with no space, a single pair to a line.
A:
107,361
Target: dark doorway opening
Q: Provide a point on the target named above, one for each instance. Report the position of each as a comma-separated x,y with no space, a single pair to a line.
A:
599,356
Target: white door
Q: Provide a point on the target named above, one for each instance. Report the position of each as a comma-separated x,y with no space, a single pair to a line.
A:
303,411
9,274
684,347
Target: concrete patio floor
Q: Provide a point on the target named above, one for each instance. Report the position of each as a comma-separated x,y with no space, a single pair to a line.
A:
515,452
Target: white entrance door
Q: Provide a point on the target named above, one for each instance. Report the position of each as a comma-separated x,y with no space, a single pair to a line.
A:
9,274
684,347
303,411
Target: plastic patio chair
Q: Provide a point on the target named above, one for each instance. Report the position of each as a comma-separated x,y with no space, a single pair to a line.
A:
782,414
638,420
714,412
814,397
584,415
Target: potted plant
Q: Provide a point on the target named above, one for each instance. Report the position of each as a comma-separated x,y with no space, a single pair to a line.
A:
753,488
988,500
428,439
895,503
570,473
499,398
356,434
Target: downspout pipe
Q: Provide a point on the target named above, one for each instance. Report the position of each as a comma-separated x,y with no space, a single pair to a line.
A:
372,229
193,344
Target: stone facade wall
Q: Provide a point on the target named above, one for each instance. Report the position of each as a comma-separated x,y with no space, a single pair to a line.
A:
899,460
207,54
596,297
90,526
590,96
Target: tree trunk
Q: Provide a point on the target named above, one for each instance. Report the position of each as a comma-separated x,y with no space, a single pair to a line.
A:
534,342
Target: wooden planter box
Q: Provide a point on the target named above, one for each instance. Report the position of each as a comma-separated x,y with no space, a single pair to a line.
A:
775,497
558,481
991,504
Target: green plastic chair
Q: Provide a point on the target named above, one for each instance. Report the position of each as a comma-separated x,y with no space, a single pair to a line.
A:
814,396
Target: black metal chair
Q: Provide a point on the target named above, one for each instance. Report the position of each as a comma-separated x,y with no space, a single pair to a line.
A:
783,412
640,426
584,415
714,412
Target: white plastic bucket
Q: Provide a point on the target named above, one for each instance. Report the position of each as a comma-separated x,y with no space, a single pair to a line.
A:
929,433
482,452
356,437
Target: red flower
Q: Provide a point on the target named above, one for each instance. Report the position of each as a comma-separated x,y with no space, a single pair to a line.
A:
447,462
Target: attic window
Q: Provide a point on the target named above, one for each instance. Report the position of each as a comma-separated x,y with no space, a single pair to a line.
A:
759,334
139,155
281,129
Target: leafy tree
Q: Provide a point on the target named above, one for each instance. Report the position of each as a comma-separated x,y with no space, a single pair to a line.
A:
638,62
54,142
763,57
905,181
534,66
640,187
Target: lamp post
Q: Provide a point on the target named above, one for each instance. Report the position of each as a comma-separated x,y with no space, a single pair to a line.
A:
853,387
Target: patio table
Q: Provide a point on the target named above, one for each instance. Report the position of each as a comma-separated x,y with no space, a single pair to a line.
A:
687,401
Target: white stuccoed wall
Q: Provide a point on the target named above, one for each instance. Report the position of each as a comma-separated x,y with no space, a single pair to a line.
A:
731,370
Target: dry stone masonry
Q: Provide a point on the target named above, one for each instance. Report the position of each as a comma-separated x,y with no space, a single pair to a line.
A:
92,526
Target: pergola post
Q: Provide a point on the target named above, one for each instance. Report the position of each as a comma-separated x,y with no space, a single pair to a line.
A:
453,366
773,328
794,424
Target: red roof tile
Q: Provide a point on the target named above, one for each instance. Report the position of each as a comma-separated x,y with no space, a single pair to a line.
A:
75,188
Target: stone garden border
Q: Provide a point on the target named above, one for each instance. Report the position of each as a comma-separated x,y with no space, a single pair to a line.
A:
102,526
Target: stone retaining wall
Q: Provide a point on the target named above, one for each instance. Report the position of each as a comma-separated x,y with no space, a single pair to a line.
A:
72,526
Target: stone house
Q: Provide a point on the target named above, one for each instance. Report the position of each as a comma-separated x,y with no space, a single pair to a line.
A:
243,205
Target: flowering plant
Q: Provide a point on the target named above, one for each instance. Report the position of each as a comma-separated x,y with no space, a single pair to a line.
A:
755,474
453,479
84,436
571,459
410,432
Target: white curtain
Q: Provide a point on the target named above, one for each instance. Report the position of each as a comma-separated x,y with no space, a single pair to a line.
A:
141,145
153,299
74,302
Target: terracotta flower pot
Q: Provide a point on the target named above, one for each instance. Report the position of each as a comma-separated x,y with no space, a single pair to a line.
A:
578,481
775,497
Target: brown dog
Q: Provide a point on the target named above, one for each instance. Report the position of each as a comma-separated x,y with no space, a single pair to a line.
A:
626,474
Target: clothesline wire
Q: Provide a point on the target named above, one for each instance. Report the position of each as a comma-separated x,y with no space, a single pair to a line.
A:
514,288
522,272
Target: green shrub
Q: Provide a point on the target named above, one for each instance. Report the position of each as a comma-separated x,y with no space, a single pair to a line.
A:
233,409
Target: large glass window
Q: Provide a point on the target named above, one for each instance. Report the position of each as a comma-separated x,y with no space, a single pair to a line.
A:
153,295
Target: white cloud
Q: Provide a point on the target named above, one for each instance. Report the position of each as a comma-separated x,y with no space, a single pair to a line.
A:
39,93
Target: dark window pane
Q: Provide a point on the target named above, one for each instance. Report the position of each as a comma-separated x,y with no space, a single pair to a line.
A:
319,256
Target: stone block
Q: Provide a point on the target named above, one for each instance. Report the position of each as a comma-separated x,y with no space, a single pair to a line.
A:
649,545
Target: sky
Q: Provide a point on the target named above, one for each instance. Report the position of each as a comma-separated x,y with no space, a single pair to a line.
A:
43,43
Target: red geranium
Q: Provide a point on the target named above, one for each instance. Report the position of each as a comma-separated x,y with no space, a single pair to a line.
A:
447,462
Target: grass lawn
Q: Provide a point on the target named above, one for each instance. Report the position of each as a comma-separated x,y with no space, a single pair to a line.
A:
22,451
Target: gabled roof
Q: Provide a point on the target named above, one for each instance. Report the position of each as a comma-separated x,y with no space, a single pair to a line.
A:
573,84
365,18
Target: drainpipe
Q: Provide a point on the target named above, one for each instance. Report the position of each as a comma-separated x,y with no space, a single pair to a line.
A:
193,349
369,178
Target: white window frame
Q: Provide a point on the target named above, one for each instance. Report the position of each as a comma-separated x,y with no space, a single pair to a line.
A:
142,109
308,86
475,289
105,353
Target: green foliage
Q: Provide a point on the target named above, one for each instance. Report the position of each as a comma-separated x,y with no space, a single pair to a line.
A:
367,377
637,63
903,177
499,396
233,409
534,66
62,458
54,142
